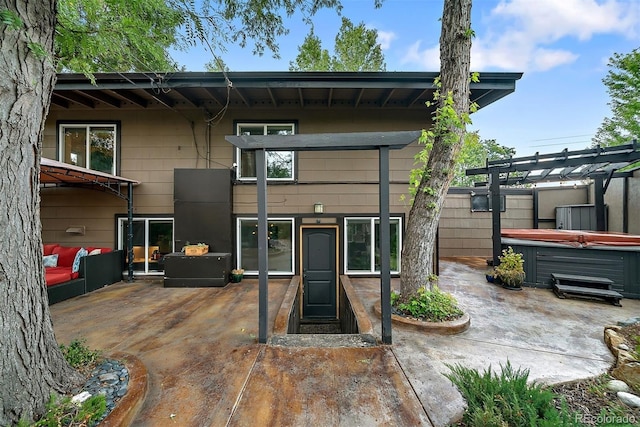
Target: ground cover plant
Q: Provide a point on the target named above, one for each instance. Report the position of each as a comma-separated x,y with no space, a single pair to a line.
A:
431,305
61,411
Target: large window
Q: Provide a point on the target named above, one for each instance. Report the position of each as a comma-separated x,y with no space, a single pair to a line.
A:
91,146
362,245
152,240
280,164
280,245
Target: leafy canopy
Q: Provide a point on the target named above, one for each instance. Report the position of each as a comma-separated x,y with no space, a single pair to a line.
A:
137,35
474,154
623,84
356,49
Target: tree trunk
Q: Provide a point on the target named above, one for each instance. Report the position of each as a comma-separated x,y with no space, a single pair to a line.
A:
31,364
422,223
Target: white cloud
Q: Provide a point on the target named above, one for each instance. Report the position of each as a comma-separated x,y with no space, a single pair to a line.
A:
525,35
429,59
385,38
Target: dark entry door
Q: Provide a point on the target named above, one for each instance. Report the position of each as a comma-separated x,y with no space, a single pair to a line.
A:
319,272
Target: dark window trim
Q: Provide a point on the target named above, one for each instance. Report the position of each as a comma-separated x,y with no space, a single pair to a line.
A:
117,123
236,160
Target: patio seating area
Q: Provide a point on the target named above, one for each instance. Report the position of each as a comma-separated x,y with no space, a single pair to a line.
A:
205,367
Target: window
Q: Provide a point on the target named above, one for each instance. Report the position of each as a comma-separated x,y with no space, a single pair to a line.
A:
280,164
362,234
91,146
482,203
152,240
280,245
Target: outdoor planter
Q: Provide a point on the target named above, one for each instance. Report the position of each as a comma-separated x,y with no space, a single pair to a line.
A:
236,275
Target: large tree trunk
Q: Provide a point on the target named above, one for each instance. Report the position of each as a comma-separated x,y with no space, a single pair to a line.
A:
422,224
31,365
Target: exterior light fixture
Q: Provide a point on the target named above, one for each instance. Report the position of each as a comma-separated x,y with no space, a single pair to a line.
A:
318,208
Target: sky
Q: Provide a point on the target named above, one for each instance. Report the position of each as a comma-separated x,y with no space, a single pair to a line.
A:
562,47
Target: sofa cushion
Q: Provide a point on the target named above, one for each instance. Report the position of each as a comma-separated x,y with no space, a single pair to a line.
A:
48,248
56,277
50,260
76,262
66,255
94,251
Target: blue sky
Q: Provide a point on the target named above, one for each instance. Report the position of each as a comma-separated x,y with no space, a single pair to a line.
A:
561,46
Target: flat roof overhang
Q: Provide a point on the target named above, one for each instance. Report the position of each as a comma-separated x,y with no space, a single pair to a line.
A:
275,89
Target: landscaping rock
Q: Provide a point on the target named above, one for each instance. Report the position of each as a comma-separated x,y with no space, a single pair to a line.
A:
629,322
613,340
629,373
629,399
617,385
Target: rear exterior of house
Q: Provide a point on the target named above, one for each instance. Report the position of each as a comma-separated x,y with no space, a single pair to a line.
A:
168,132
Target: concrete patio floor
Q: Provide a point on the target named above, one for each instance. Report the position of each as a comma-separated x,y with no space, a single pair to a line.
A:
205,367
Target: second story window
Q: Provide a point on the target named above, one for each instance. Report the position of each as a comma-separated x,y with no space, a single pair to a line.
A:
91,146
280,164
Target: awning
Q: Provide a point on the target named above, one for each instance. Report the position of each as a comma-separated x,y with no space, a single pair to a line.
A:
55,173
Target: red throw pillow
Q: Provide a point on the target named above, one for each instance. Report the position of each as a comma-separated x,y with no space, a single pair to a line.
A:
48,248
66,255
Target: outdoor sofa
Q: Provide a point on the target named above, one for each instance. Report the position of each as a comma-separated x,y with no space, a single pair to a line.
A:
73,271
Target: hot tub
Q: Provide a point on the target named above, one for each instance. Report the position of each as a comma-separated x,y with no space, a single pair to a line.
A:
615,256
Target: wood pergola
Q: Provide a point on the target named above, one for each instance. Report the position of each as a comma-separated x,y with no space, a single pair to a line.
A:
600,164
381,141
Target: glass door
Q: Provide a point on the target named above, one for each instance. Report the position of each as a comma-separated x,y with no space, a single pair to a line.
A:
152,240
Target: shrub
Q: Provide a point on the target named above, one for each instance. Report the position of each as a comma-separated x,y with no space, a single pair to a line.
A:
430,305
506,399
511,268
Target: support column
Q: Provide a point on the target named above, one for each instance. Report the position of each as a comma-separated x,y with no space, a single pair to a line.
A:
263,261
598,186
130,232
385,248
494,188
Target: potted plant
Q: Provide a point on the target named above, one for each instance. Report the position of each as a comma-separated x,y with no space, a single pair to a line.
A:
510,271
236,275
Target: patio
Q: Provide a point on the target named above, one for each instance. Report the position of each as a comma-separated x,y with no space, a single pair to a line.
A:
205,367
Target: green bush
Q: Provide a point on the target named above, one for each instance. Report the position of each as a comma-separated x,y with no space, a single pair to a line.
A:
506,399
430,305
510,271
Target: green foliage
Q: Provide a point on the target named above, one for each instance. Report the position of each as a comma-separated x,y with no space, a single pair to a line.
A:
10,19
474,154
510,271
623,85
445,121
117,35
506,399
137,35
430,305
77,354
356,49
65,413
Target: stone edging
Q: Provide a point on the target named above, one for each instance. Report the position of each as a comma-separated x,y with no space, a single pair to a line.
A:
451,327
626,368
127,408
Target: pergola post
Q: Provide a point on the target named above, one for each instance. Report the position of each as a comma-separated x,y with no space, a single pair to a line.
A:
130,232
494,189
598,184
263,246
385,246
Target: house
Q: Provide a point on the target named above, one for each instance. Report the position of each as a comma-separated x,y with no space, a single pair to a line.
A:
168,131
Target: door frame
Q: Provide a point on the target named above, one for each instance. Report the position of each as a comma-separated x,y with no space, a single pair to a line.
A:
301,263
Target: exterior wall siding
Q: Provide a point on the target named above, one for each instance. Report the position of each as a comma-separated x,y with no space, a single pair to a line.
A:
156,141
